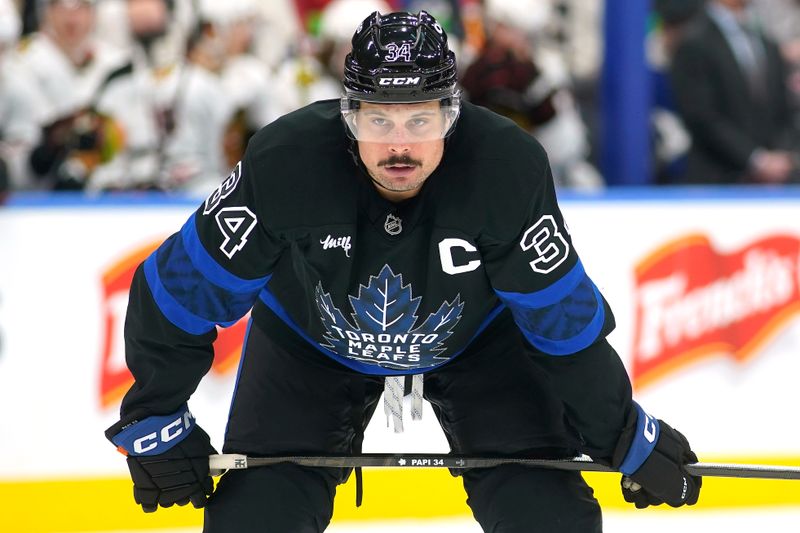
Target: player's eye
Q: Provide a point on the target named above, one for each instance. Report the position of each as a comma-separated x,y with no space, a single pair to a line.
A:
380,122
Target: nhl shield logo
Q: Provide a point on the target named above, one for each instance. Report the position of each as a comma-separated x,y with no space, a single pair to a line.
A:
393,224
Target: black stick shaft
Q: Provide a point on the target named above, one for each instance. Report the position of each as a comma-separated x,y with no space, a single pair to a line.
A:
234,461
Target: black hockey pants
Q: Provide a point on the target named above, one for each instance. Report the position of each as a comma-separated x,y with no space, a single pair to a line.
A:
493,399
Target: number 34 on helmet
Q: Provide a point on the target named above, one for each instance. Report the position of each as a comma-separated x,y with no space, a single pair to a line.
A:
397,61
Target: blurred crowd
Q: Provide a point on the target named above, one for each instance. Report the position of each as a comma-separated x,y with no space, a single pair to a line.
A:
116,95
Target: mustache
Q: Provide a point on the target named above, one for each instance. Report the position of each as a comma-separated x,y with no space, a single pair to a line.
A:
400,160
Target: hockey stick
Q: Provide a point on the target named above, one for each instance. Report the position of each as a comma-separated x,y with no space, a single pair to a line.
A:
232,461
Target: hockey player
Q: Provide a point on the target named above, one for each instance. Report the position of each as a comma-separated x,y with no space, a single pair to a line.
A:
397,232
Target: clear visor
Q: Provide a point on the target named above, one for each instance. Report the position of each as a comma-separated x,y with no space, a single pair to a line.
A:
404,123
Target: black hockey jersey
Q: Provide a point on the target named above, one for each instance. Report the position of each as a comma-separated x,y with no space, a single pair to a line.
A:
299,234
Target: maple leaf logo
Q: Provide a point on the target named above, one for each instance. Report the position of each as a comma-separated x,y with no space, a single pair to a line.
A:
382,331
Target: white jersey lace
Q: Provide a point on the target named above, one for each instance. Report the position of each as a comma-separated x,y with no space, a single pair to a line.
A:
393,400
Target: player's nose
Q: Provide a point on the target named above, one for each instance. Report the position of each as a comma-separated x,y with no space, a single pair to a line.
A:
401,143
399,148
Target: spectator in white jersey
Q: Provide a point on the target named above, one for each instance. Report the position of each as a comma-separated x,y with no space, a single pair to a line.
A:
68,71
172,104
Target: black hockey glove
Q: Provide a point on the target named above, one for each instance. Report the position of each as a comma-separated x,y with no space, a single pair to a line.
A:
651,456
167,459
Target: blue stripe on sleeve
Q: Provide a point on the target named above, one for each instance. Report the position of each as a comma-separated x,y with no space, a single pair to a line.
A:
549,295
562,319
173,311
193,291
576,343
209,268
643,442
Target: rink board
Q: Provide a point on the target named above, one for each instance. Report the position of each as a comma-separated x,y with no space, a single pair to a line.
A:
679,269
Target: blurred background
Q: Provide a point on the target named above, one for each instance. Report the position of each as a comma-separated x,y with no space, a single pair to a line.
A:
673,130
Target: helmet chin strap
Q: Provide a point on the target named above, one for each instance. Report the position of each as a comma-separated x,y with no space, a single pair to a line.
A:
379,184
363,168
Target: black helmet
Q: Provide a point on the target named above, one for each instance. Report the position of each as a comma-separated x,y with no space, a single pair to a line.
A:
399,58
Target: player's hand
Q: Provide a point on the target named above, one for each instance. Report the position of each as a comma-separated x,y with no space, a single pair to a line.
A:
663,478
179,474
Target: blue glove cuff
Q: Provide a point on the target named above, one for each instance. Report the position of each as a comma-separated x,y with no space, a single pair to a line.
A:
643,442
155,434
